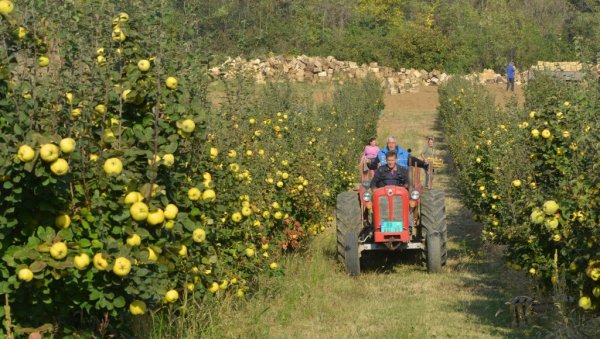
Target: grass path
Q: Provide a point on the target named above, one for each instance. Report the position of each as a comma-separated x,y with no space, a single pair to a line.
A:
394,298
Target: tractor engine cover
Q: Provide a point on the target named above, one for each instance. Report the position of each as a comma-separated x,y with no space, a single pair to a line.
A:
390,214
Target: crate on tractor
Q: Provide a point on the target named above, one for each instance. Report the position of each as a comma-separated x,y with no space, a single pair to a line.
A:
392,218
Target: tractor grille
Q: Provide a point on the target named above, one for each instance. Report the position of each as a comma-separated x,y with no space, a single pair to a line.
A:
384,209
397,201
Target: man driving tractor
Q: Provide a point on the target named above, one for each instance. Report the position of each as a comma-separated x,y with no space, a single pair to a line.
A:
403,156
390,173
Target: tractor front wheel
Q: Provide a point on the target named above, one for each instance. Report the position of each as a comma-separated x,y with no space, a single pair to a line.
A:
349,223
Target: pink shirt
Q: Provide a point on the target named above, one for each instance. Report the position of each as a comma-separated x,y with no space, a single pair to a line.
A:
371,151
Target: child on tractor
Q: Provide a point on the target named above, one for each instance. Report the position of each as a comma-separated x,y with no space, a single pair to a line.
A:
369,155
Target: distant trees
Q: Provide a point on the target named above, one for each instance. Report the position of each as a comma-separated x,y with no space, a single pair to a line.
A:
458,36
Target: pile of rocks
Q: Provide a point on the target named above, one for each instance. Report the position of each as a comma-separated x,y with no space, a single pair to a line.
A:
562,66
312,69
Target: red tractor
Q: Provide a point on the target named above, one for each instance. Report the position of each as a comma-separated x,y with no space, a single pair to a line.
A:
392,218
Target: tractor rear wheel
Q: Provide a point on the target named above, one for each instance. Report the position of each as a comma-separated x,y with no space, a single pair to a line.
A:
349,224
433,221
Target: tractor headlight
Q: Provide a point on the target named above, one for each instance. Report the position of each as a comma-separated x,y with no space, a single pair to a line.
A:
367,196
415,195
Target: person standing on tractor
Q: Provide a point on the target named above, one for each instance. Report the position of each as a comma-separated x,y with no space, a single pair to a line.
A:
369,155
510,76
402,155
390,173
427,155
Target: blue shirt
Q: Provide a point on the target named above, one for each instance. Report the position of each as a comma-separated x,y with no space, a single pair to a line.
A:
402,156
510,72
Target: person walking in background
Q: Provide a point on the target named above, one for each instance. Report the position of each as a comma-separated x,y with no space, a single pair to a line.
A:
369,155
510,76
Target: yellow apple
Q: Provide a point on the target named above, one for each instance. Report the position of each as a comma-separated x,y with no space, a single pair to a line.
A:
81,261
188,125
25,153
278,215
156,217
535,133
585,303
240,293
168,159
69,97
246,211
236,217
199,235
94,157
143,65
100,262
171,83
62,220
550,207
171,212
209,195
551,223
122,266
49,152
206,176
249,252
137,307
21,33
214,287
123,17
76,112
101,60
194,194
6,7
25,274
273,265
183,251
169,224
43,61
133,197
59,167
134,240
264,247
58,250
152,255
100,108
67,145
113,166
100,51
546,134
139,211
224,284
171,296
214,152
537,216
516,183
